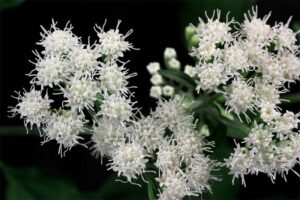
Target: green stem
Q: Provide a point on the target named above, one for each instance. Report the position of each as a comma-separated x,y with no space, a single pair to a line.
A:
10,131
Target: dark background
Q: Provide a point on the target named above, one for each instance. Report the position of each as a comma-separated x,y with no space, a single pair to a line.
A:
156,24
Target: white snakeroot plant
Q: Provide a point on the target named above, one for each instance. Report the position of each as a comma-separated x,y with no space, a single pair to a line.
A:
235,88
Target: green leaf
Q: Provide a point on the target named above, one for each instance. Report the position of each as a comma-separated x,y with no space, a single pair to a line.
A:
31,183
293,98
98,102
296,27
217,132
113,189
224,189
179,77
235,129
210,117
17,131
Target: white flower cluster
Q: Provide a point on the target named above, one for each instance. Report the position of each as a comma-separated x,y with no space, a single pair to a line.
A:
96,100
184,169
87,78
271,148
251,64
167,138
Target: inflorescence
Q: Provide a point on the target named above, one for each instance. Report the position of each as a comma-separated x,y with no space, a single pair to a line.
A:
250,64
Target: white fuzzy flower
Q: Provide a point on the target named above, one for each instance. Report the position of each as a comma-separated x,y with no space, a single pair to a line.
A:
129,160
173,63
256,29
291,66
156,92
284,36
254,51
156,79
170,53
288,157
174,186
268,112
112,43
168,90
116,107
190,70
265,161
239,163
173,115
213,30
271,70
32,107
286,123
267,94
168,157
240,97
259,137
210,76
198,174
189,143
235,59
149,132
107,136
59,41
80,93
205,51
114,78
65,130
153,67
50,71
84,60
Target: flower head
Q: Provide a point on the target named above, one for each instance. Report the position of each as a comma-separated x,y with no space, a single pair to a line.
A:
57,41
256,29
173,115
32,107
50,71
80,93
210,76
129,160
107,136
117,107
112,43
64,129
240,97
114,78
84,60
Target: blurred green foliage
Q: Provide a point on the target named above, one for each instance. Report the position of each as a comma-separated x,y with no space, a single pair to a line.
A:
33,183
6,4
